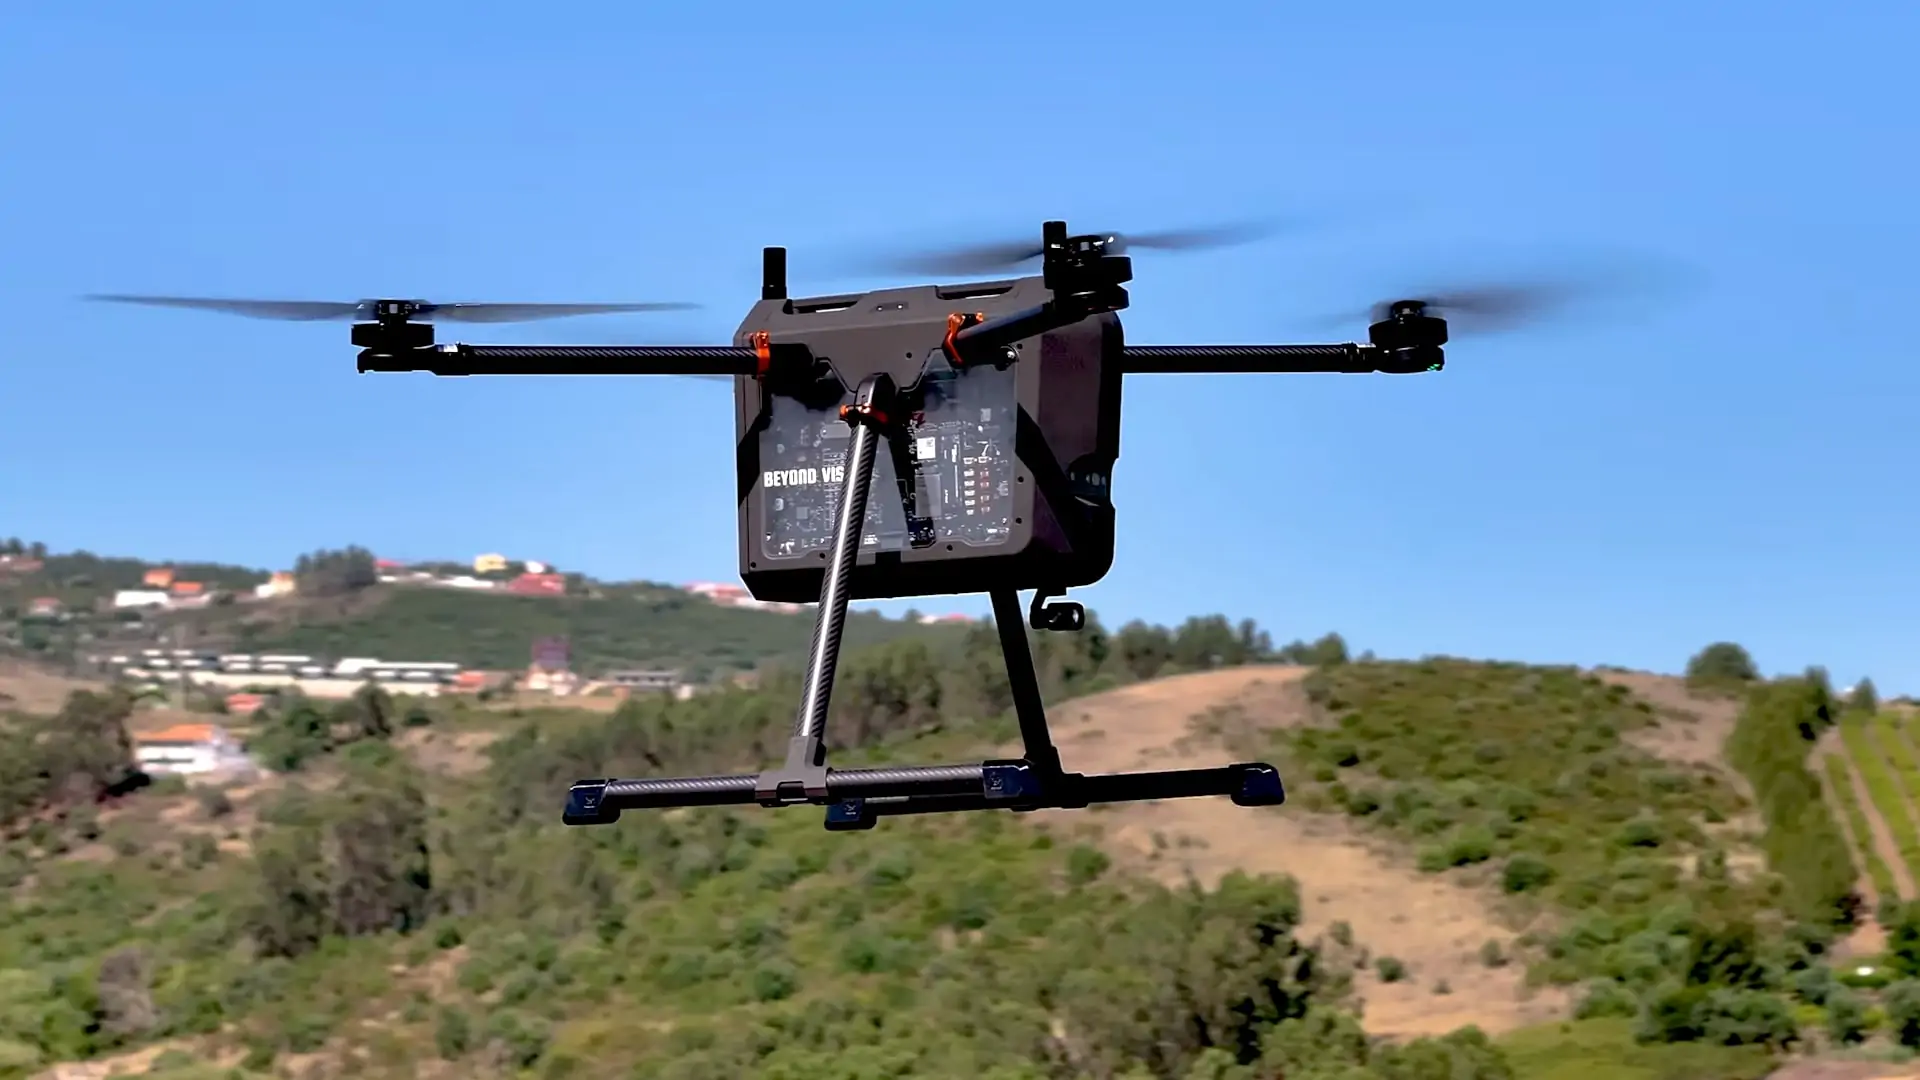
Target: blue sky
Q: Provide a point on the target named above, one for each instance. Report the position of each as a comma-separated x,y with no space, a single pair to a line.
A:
1732,463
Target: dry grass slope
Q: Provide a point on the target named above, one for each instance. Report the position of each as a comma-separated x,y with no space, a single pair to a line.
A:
1436,927
1434,924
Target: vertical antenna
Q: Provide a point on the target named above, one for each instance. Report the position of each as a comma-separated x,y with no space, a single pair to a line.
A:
773,273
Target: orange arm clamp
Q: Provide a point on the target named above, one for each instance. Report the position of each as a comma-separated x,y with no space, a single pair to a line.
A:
864,414
957,322
762,343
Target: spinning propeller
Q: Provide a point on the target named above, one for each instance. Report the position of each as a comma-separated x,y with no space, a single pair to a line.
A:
1005,255
1492,306
370,310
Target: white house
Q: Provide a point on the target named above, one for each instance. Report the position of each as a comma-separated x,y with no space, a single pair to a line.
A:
137,598
186,749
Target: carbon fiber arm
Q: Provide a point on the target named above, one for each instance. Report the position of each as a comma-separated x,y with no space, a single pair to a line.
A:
1351,358
568,360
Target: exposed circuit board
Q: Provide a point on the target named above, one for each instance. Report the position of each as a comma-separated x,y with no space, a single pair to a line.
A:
962,442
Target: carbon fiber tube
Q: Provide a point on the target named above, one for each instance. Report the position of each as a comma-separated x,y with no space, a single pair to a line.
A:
1350,358
574,360
679,791
830,620
913,780
659,794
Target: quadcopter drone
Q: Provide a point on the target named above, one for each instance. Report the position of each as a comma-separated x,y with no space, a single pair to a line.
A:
998,405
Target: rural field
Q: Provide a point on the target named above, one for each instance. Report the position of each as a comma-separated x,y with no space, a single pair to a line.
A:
1870,766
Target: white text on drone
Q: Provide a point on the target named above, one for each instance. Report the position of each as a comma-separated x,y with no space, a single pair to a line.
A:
785,478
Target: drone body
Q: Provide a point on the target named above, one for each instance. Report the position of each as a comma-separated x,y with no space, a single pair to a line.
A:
1007,463
998,406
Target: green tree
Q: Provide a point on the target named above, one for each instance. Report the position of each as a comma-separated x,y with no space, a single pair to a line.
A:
289,733
1903,939
1901,1000
336,573
72,759
1144,649
351,861
1722,665
1864,697
1328,650
886,691
368,714
1846,1017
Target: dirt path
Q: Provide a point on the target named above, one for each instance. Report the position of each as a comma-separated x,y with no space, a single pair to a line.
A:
1435,927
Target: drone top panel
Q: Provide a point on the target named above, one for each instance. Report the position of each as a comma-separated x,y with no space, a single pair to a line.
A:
961,446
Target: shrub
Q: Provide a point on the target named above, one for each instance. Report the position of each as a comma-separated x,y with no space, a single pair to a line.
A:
1814,985
453,1033
1729,1017
1085,863
1901,1000
1605,997
1846,1017
1492,955
1525,873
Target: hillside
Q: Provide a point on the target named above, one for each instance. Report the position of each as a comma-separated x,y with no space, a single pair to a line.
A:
1526,841
633,626
610,624
1466,843
1484,871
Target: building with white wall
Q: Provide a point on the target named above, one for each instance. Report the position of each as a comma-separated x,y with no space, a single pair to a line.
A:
187,749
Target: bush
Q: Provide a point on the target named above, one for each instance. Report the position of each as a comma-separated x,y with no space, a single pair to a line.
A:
1901,1000
453,1033
1390,969
775,981
1814,985
1640,833
214,802
1525,873
1730,1017
1084,864
1605,997
1846,1017
1492,955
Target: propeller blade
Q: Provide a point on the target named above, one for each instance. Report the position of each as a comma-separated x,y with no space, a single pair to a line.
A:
318,310
1007,255
503,313
990,258
1518,300
1492,307
293,310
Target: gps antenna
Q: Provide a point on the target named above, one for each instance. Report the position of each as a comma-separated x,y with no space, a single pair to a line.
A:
773,273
